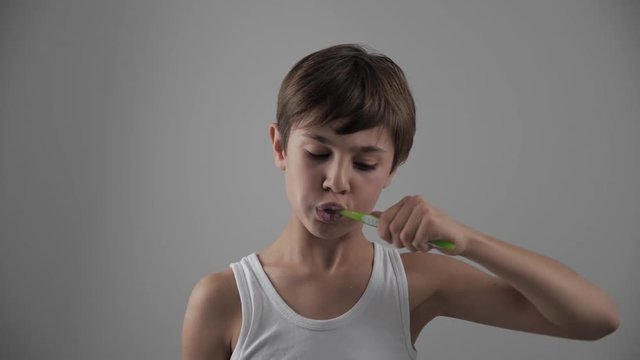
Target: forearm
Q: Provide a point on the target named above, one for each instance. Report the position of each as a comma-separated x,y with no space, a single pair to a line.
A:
561,295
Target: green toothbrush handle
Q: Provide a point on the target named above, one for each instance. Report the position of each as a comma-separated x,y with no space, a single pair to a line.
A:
373,221
443,244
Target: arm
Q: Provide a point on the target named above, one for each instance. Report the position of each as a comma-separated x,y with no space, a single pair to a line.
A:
211,312
530,292
539,294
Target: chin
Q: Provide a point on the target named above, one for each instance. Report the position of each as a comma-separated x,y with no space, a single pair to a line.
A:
323,230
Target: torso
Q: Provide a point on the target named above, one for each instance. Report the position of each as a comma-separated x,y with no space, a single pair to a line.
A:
306,292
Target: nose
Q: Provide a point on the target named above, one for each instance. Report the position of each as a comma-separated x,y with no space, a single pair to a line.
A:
337,178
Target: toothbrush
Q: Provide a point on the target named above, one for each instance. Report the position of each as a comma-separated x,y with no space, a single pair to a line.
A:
373,221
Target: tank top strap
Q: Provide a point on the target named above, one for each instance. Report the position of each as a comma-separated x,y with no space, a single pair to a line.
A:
402,294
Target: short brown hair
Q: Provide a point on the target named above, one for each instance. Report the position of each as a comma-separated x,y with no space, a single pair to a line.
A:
351,89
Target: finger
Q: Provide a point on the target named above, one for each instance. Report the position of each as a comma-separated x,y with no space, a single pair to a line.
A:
410,229
397,224
384,219
410,247
382,230
422,236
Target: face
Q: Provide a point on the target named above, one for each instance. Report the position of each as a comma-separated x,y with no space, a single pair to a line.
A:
325,171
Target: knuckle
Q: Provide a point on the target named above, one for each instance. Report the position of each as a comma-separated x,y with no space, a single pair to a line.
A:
429,223
395,228
384,217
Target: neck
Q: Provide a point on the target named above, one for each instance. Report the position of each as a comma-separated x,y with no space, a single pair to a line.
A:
296,245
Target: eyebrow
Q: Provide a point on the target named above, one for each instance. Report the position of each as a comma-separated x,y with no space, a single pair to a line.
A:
364,149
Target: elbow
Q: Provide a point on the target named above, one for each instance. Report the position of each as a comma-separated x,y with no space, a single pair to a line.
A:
609,320
606,324
612,325
597,332
605,320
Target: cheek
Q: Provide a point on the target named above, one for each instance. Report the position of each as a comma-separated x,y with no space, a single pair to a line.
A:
368,196
301,181
367,191
301,173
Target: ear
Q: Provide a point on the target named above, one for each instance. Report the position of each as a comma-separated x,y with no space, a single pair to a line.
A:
279,155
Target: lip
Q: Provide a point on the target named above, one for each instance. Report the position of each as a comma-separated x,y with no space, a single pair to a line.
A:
328,212
330,206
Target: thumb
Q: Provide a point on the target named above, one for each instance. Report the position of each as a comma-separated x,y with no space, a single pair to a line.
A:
382,229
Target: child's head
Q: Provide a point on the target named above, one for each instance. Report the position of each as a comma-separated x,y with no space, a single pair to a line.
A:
349,89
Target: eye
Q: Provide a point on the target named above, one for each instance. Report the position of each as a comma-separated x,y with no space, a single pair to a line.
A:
364,166
317,156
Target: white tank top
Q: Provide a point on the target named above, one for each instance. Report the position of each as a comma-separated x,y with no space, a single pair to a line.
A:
376,327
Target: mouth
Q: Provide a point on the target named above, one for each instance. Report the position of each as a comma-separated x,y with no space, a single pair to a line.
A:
329,212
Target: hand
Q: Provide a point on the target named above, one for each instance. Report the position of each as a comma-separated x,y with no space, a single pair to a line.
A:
412,223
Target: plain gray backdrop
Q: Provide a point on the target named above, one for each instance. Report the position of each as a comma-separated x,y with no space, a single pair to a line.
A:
134,156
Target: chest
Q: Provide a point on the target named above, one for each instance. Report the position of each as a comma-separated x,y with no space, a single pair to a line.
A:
320,296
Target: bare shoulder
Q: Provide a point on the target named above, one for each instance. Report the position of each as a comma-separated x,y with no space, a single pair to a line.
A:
435,277
425,275
438,269
428,265
212,317
216,292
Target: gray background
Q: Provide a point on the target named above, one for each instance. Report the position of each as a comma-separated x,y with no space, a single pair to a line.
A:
134,156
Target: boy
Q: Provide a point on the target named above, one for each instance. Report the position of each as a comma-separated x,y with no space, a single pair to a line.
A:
345,122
